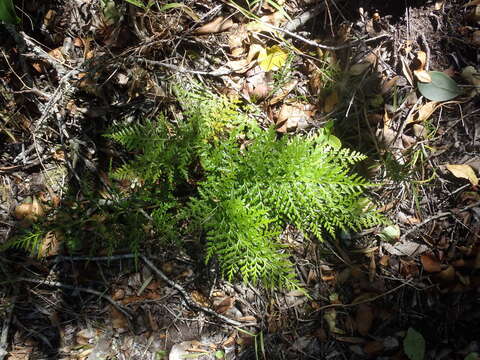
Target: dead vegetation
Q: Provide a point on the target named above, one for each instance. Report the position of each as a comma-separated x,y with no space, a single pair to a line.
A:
397,81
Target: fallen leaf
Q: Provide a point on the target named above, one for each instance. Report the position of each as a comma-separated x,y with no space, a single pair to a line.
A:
283,92
430,264
387,85
421,60
390,233
225,305
373,348
419,131
331,101
57,54
217,25
257,85
447,275
440,88
414,345
293,116
255,51
408,248
464,172
273,58
427,110
472,3
422,76
119,321
261,25
364,319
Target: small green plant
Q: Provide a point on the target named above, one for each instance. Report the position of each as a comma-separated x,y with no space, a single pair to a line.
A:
246,194
214,175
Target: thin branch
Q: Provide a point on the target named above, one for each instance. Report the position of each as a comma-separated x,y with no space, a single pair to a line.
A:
187,298
435,217
218,72
6,325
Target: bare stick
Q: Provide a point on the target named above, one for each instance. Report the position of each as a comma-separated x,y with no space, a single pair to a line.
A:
184,70
186,297
435,217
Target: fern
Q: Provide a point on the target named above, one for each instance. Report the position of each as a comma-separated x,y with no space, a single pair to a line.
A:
246,195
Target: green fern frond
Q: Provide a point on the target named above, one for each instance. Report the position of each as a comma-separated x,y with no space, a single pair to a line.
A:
247,195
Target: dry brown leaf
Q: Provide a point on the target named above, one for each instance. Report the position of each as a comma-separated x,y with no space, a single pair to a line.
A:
430,264
239,66
331,101
472,3
255,51
463,171
422,60
373,348
364,319
38,67
217,25
387,85
283,92
447,275
225,305
78,42
119,321
427,110
257,86
422,76
200,299
57,54
315,81
275,19
236,41
293,116
384,260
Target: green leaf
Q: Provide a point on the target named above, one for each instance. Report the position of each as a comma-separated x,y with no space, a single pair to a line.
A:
137,3
7,12
414,345
442,87
472,356
220,354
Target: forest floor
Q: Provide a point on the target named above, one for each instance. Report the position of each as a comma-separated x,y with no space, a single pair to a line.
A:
410,290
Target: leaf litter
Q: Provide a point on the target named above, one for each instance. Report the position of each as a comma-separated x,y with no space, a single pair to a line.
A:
368,90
